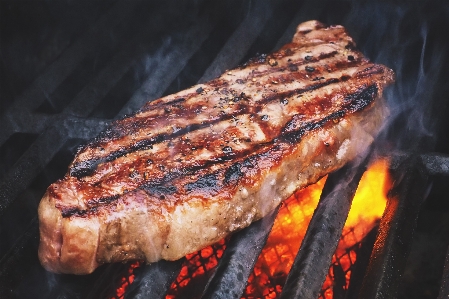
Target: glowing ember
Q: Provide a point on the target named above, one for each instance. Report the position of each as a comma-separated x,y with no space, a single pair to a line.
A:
126,281
195,271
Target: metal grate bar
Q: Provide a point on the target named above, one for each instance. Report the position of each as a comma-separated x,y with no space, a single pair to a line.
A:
89,97
168,62
238,261
396,230
241,40
312,262
155,281
54,75
14,263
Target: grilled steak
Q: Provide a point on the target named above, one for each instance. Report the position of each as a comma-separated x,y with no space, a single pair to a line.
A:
190,168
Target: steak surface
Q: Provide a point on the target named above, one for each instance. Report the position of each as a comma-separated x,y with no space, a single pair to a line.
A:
190,168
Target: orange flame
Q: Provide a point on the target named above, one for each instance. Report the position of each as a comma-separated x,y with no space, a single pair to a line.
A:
283,243
195,270
370,200
367,208
125,282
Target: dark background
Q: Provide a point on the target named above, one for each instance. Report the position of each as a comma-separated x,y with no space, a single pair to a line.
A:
408,36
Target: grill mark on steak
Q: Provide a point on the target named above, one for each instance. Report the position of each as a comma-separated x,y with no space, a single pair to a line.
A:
207,183
355,102
233,167
87,167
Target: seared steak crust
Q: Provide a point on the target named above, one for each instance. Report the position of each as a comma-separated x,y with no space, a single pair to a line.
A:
189,168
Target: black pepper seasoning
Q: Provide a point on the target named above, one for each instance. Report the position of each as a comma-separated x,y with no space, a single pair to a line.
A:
227,150
310,69
292,67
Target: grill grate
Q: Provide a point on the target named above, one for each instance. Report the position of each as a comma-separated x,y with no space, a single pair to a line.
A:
314,257
137,51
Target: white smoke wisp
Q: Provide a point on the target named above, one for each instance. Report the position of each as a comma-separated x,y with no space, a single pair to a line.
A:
405,38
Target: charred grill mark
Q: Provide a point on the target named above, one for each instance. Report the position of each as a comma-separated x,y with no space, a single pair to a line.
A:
159,190
74,211
314,86
289,93
233,173
173,102
263,58
162,187
207,183
357,102
131,126
296,135
128,125
369,71
104,200
84,168
326,55
295,130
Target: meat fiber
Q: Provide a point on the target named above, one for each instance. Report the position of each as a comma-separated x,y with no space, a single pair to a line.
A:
190,168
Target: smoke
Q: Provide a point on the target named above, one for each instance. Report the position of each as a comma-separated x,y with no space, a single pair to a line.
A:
409,38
